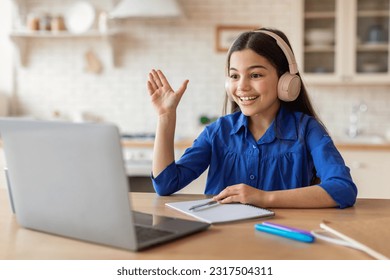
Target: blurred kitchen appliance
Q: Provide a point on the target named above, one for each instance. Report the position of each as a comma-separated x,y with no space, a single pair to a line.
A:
138,162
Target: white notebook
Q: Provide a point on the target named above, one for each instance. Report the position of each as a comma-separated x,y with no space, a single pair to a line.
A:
220,213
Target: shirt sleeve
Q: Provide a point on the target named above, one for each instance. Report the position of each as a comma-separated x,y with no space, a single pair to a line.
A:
190,166
335,176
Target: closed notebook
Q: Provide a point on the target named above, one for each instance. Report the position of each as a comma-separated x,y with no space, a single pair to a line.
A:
220,213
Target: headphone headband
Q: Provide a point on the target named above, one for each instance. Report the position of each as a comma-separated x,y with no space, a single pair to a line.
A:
292,64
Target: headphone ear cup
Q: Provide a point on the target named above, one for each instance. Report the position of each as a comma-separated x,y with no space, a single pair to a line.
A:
289,86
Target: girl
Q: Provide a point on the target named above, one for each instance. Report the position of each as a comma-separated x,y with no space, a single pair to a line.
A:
270,151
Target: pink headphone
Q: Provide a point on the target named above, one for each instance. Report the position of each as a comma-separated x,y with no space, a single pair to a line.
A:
289,84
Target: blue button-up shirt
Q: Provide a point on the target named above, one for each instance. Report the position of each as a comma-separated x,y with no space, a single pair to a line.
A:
295,149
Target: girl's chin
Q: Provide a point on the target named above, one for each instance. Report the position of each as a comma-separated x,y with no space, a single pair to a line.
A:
247,112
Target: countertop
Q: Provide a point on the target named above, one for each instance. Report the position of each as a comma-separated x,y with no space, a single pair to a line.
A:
187,142
360,146
148,143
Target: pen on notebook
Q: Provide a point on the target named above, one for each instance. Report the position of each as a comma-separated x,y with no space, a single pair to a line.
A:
212,202
287,233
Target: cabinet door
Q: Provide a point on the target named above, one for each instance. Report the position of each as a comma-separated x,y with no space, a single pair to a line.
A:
369,171
319,36
371,43
346,41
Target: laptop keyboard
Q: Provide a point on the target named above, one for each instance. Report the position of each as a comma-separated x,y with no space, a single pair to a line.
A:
146,234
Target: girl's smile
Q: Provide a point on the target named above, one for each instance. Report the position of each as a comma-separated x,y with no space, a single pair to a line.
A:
247,100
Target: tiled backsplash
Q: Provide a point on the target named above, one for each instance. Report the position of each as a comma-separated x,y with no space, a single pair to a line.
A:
55,80
335,105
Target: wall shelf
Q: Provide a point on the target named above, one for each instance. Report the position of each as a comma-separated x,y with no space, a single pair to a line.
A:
21,38
21,35
63,34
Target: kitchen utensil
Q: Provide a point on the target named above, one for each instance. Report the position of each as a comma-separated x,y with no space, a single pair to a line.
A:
376,34
319,37
57,23
80,17
93,64
33,22
371,67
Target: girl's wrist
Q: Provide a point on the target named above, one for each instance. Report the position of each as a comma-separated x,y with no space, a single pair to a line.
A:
267,198
167,116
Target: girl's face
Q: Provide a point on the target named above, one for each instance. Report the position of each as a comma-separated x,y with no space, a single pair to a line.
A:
252,83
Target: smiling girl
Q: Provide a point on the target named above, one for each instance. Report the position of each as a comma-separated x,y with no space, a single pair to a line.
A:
271,150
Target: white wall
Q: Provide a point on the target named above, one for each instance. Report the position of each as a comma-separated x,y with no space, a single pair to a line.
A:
6,70
55,79
6,66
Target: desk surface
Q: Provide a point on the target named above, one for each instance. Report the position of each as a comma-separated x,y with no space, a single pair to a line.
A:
227,241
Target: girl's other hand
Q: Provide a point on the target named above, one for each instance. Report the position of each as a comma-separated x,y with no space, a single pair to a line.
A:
163,97
240,193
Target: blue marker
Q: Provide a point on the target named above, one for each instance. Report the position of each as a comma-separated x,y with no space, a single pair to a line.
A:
286,232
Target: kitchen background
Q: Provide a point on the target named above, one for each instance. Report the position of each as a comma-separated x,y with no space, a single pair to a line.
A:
104,78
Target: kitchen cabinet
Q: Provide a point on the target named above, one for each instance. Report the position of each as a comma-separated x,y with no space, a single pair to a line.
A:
138,155
23,31
369,165
344,41
369,168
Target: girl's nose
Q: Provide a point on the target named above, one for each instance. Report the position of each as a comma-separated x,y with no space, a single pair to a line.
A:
243,84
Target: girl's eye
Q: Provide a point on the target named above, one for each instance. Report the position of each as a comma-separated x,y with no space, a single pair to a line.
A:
234,76
256,75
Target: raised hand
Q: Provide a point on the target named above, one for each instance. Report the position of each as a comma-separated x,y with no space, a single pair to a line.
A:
163,97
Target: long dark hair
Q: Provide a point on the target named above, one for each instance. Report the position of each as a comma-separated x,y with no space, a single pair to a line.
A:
267,47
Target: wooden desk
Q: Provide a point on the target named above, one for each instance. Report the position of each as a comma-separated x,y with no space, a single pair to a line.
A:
228,241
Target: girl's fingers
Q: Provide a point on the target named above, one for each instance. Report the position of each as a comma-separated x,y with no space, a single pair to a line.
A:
157,81
151,89
223,195
163,80
229,195
156,78
229,199
152,83
183,87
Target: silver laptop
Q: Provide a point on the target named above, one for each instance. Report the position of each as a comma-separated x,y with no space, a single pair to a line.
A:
69,179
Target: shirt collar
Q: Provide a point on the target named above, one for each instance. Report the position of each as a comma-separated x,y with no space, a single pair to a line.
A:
283,127
241,123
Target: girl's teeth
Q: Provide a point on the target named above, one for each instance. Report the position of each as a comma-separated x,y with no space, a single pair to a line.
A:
247,98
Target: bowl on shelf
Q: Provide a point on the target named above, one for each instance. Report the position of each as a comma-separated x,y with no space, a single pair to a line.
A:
371,67
80,17
376,35
319,37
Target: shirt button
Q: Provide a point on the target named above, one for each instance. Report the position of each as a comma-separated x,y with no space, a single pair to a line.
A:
252,177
